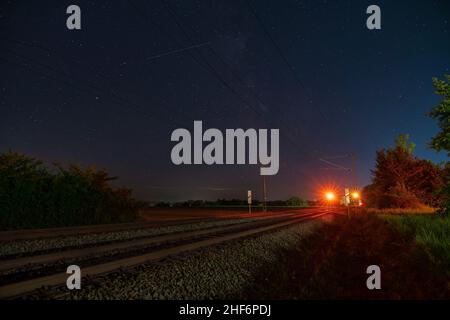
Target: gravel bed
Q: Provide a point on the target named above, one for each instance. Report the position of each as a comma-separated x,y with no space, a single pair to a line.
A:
219,272
29,246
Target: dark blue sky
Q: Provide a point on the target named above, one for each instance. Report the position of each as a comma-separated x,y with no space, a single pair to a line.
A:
108,95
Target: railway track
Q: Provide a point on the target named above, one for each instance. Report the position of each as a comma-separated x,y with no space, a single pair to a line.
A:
65,232
149,241
23,249
18,235
131,253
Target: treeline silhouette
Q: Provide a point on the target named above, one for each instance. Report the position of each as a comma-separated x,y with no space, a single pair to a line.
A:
35,196
291,202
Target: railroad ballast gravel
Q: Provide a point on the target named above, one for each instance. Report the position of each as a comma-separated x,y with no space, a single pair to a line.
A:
30,246
219,272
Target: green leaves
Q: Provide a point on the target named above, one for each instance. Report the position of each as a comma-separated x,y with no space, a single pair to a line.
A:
402,142
441,141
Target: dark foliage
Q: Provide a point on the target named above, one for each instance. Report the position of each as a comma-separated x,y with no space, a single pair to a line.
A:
441,142
441,113
33,196
291,202
401,180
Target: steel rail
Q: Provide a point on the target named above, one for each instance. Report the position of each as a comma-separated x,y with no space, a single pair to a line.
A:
33,234
27,286
100,248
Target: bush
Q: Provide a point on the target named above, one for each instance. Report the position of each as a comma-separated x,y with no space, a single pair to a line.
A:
401,180
33,196
296,202
444,192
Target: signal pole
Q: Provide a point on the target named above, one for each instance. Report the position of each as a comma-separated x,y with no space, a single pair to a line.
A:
264,189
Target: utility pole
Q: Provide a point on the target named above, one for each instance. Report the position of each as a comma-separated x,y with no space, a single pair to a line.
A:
264,189
354,177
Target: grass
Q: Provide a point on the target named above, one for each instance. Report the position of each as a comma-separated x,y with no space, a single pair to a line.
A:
399,211
331,264
433,232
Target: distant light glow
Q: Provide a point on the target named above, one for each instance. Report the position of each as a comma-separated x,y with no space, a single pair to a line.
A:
355,195
330,196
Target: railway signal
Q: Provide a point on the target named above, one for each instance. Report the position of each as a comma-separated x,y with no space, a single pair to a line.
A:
330,196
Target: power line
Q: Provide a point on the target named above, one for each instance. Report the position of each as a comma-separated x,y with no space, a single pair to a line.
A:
335,166
280,52
97,72
176,51
204,64
52,52
179,23
92,88
178,20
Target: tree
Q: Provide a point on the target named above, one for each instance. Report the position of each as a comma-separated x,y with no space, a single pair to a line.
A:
33,195
441,142
296,202
401,180
404,144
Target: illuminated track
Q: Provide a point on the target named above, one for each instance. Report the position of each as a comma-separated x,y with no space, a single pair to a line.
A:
129,244
65,232
140,251
68,231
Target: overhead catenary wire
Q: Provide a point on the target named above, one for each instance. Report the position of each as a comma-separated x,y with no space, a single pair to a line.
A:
178,20
94,89
81,86
97,73
203,63
280,52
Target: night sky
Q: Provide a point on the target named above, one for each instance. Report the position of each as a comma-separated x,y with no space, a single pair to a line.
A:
110,94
